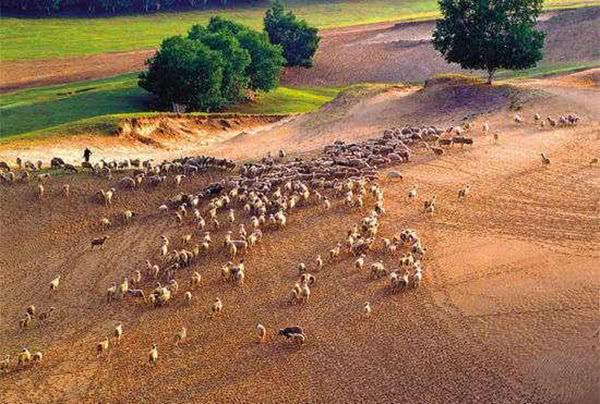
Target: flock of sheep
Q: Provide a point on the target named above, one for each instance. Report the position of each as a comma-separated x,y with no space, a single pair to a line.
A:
249,203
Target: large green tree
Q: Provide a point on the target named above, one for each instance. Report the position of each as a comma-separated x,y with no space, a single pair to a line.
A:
238,60
299,40
490,34
185,72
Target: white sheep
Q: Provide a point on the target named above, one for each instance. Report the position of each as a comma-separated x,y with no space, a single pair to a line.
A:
216,308
180,336
153,355
40,191
118,333
23,357
360,262
66,190
261,332
462,193
105,223
127,216
54,284
196,278
377,270
318,263
367,309
102,346
187,296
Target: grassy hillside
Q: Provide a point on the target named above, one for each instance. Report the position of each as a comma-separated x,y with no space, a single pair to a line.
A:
80,106
27,38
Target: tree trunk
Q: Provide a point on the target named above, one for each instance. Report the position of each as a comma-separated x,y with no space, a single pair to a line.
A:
490,75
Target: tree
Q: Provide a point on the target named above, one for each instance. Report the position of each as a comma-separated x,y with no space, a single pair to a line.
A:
489,34
186,72
214,66
266,59
299,40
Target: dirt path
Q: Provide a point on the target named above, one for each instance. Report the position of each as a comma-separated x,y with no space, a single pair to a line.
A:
506,313
384,52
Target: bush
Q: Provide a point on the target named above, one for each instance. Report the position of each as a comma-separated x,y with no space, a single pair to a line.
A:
299,40
213,66
490,34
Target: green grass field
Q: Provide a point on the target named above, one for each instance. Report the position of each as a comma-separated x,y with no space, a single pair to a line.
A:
27,38
80,107
96,106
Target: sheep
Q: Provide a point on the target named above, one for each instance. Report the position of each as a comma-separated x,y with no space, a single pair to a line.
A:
127,216
153,355
23,357
518,119
261,332
301,267
545,160
537,117
111,292
395,175
5,166
335,252
178,179
196,278
187,296
180,336
412,193
45,315
360,262
99,242
216,308
326,203
239,276
417,277
307,279
102,346
186,238
486,127
367,309
304,293
105,223
231,215
54,284
5,363
66,190
123,287
118,333
378,270
462,193
25,321
398,281
298,339
318,263
40,191
107,196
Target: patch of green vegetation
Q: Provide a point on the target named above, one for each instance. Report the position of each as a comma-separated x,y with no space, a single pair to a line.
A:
96,106
548,70
41,38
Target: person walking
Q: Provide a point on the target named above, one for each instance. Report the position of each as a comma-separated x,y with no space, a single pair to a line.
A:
87,154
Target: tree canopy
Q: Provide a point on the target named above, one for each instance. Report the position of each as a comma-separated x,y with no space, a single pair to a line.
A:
299,40
213,66
490,34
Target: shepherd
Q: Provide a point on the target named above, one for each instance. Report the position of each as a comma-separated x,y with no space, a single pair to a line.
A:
86,155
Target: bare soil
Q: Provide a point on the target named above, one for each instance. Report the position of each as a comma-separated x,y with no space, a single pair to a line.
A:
507,311
367,53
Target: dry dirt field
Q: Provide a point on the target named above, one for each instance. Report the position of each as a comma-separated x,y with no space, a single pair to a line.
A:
368,53
507,311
